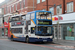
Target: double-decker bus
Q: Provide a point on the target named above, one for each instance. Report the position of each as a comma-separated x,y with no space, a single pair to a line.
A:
35,26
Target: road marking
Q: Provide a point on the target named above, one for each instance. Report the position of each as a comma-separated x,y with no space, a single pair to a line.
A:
62,45
46,46
42,46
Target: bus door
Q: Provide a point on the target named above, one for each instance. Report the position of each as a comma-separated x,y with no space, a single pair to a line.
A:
26,28
27,24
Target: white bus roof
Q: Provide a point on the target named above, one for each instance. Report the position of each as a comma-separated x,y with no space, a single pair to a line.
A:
16,15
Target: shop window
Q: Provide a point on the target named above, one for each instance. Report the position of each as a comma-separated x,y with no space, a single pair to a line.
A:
68,32
38,1
70,7
59,9
52,10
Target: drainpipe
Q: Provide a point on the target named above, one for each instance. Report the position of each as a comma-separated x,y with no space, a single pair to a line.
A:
33,5
63,6
47,4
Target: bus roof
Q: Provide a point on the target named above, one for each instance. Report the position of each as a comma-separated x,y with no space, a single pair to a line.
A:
17,15
31,12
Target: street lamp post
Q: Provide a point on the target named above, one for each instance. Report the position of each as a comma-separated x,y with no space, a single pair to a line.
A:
58,26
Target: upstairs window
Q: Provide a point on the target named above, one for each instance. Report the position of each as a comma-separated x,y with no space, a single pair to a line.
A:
16,6
20,4
52,10
70,7
10,9
13,7
24,3
43,0
59,9
38,1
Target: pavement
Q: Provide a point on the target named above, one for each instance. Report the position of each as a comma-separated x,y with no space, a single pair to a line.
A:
64,42
3,37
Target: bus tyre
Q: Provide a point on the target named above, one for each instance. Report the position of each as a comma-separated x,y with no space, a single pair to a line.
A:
27,40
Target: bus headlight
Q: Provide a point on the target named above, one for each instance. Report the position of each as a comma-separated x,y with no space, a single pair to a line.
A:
37,37
51,36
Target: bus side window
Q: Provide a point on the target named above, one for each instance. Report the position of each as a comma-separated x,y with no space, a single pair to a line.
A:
27,17
32,15
32,30
10,19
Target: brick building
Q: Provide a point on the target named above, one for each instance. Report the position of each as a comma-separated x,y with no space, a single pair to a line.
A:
63,5
21,6
64,9
13,7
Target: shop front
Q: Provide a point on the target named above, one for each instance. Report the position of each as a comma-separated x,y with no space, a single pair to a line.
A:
68,31
66,27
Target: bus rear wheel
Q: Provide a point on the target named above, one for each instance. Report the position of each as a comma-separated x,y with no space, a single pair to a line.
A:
27,40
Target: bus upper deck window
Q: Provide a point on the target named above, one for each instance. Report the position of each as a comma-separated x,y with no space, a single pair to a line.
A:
10,19
43,15
23,17
32,15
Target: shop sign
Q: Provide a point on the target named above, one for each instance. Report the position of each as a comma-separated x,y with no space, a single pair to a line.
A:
56,18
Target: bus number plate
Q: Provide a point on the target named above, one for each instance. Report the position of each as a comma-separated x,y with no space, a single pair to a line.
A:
44,40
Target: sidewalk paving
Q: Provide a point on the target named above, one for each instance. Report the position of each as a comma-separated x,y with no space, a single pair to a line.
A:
3,37
65,42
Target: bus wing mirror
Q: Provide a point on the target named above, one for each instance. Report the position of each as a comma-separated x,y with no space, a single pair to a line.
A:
29,31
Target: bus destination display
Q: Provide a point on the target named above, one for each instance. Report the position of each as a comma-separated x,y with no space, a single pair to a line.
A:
44,22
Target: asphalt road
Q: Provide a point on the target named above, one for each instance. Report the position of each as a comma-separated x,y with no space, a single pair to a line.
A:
6,44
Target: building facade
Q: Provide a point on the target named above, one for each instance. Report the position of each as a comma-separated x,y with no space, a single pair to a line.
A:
13,7
65,9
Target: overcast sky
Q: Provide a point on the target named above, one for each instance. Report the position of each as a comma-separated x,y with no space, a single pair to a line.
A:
1,1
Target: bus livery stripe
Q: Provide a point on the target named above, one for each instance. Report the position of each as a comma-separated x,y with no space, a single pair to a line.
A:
33,21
